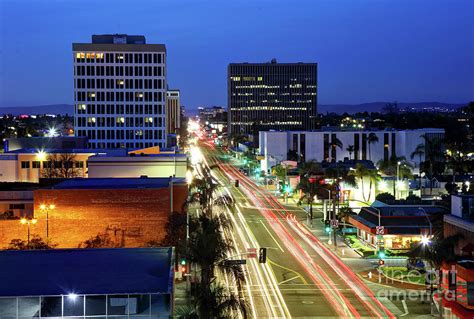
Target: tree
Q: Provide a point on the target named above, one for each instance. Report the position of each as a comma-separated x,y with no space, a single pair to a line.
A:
220,303
280,171
361,172
335,142
432,156
36,242
385,197
101,240
419,151
371,139
60,166
209,249
350,149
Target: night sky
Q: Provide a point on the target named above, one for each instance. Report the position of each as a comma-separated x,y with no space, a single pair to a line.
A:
372,50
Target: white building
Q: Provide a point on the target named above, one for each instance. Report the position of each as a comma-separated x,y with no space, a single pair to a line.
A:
150,165
120,92
317,145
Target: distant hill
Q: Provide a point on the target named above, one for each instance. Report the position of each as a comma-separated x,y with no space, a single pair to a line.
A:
378,107
322,108
62,109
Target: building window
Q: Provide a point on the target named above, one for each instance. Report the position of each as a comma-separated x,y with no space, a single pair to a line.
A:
385,146
25,164
326,147
36,164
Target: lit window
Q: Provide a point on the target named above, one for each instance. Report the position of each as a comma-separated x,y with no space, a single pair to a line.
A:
78,55
259,78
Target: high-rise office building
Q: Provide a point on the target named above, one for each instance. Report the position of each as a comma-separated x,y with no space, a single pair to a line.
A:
271,96
120,91
173,111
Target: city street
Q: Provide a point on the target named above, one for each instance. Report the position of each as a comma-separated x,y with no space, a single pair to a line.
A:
310,278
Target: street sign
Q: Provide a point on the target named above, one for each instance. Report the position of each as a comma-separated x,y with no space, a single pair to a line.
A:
252,252
235,262
334,223
379,230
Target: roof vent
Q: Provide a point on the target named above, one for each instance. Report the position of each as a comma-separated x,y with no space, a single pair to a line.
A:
143,176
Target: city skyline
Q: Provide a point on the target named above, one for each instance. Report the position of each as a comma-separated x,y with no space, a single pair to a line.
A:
349,41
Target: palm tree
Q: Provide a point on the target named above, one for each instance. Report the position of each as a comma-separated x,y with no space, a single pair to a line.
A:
419,151
361,172
335,142
372,139
432,155
350,149
220,304
311,167
339,173
280,171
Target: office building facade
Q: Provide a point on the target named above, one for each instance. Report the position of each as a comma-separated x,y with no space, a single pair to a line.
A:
322,145
266,96
173,111
120,92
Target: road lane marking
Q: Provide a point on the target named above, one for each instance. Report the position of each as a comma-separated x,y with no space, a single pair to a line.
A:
272,236
290,270
288,280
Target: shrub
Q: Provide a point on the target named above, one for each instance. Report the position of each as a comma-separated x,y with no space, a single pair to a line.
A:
385,197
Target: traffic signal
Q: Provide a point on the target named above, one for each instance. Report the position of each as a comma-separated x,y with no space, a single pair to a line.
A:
381,262
262,255
184,269
236,183
381,253
327,226
183,262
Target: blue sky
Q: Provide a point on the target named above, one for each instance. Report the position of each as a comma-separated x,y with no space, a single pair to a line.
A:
367,50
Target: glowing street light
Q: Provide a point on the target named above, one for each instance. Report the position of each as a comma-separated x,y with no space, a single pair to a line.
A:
28,221
52,132
45,209
425,240
41,155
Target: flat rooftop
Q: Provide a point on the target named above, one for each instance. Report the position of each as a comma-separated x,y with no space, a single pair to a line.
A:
86,271
117,183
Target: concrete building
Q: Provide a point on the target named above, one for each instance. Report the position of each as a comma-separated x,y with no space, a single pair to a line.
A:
461,221
457,280
29,165
321,145
153,165
173,111
266,96
87,283
120,91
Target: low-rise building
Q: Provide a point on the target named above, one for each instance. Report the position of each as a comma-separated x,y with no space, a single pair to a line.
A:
457,281
78,283
29,165
130,212
323,145
395,226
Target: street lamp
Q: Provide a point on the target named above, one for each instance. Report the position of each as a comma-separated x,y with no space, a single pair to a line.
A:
28,221
425,241
398,177
45,209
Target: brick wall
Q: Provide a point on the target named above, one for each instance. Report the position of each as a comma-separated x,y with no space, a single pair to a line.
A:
131,217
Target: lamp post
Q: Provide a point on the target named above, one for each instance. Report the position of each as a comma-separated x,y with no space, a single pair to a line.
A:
398,178
28,221
427,242
45,209
311,180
